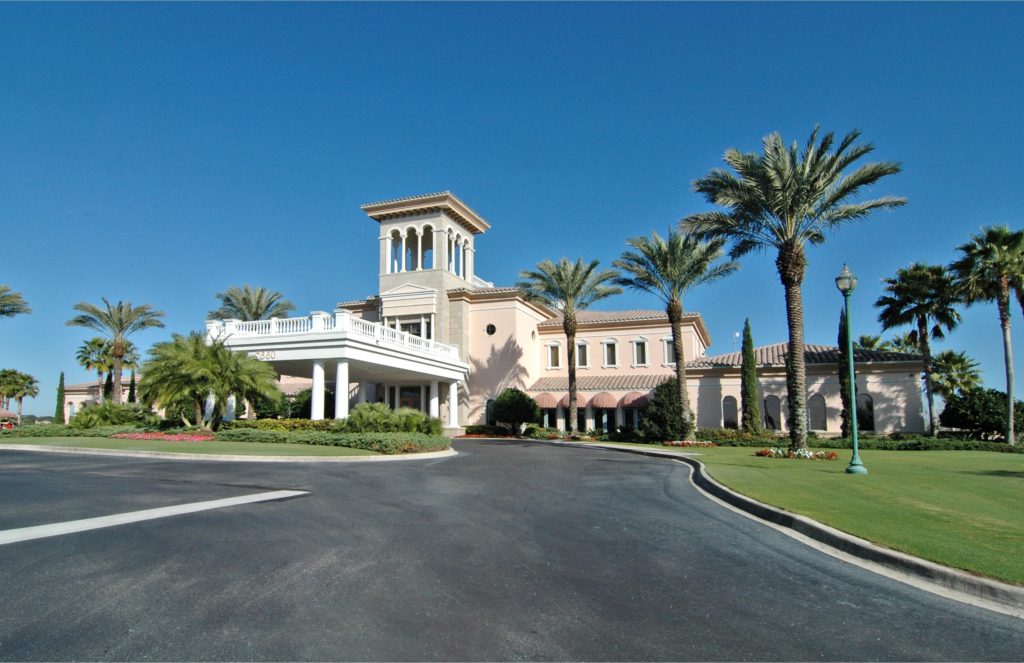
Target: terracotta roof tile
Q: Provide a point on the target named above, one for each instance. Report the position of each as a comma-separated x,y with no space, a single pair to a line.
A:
602,382
775,355
594,317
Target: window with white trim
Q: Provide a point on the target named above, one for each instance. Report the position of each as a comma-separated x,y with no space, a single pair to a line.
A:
640,352
668,351
554,355
582,356
611,353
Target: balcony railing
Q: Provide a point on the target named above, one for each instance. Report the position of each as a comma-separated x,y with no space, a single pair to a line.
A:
342,323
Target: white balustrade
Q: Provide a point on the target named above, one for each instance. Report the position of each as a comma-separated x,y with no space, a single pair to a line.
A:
319,322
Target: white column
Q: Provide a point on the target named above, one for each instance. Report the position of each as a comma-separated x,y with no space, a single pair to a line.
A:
341,391
589,422
453,404
620,416
433,328
385,257
229,410
423,398
419,250
435,408
462,260
317,401
361,393
470,260
405,236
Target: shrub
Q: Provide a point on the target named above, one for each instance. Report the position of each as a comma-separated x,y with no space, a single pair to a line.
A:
541,433
515,408
109,413
58,430
364,418
385,443
730,437
917,443
497,431
664,418
982,412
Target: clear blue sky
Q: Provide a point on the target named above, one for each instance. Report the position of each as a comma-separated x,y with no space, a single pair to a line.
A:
160,153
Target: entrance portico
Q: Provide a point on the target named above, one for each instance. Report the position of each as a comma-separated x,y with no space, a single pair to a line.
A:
354,355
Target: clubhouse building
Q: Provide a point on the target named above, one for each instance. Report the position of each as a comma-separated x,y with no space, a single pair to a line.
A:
439,338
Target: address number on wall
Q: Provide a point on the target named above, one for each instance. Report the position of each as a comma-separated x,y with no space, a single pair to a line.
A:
265,355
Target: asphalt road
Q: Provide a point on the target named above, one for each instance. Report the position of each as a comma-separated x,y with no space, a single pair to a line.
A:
508,551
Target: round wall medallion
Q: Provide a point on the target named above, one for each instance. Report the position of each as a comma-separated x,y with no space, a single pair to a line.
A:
491,329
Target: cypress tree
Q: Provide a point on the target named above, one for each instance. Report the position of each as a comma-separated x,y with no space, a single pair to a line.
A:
751,405
58,414
131,388
108,386
843,366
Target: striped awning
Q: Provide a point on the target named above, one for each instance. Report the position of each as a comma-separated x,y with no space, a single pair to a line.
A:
604,400
634,399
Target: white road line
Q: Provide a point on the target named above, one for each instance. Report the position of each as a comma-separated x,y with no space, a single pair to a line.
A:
72,526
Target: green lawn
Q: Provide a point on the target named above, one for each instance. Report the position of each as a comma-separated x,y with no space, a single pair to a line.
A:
213,447
960,508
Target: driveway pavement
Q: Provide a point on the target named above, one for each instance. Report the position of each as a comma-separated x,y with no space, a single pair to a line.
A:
507,551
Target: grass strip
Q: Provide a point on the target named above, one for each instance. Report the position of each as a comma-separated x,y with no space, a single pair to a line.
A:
211,447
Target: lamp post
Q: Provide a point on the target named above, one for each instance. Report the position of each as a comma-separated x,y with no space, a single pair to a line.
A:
846,282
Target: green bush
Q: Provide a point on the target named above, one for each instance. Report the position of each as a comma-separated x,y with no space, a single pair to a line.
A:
109,413
916,443
497,431
730,437
285,424
364,418
664,418
58,430
515,407
539,433
981,412
385,443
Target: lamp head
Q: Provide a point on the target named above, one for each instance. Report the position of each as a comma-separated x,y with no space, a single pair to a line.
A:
846,281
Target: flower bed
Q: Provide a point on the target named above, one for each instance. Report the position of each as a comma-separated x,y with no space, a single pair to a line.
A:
168,437
807,454
688,443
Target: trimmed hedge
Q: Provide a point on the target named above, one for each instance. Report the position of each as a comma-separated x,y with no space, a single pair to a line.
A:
916,443
384,443
364,418
59,430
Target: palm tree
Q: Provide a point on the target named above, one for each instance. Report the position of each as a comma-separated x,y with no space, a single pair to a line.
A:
868,342
904,343
954,373
985,273
185,370
12,303
667,269
26,386
8,385
118,321
248,303
922,296
94,355
784,199
568,288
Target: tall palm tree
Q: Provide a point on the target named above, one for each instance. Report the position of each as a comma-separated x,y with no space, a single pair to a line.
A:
954,373
118,321
922,296
568,287
94,355
187,370
984,273
667,269
12,303
784,199
248,303
8,385
25,387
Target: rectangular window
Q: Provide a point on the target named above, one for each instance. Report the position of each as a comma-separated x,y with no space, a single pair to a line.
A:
670,352
581,355
552,356
640,351
610,355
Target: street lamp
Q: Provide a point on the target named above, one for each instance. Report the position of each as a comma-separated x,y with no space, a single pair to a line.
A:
846,282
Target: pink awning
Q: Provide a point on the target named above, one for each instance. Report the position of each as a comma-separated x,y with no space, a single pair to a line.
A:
634,399
546,401
564,401
604,400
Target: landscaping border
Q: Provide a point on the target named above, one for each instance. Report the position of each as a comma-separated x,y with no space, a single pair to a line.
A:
173,455
943,580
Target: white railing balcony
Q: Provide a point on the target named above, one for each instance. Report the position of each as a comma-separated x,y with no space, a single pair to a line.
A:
341,323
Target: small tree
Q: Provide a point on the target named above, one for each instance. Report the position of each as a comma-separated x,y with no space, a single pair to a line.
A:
752,422
131,388
664,419
981,412
58,413
515,408
843,366
108,387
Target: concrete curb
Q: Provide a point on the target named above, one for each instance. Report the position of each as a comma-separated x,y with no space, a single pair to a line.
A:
170,455
946,581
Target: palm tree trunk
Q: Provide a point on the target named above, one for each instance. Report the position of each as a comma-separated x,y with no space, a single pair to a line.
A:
675,318
926,350
1004,322
792,264
199,412
99,386
19,399
569,325
117,380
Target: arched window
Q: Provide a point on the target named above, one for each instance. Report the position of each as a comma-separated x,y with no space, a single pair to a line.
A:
865,412
816,412
427,248
772,413
395,262
730,413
